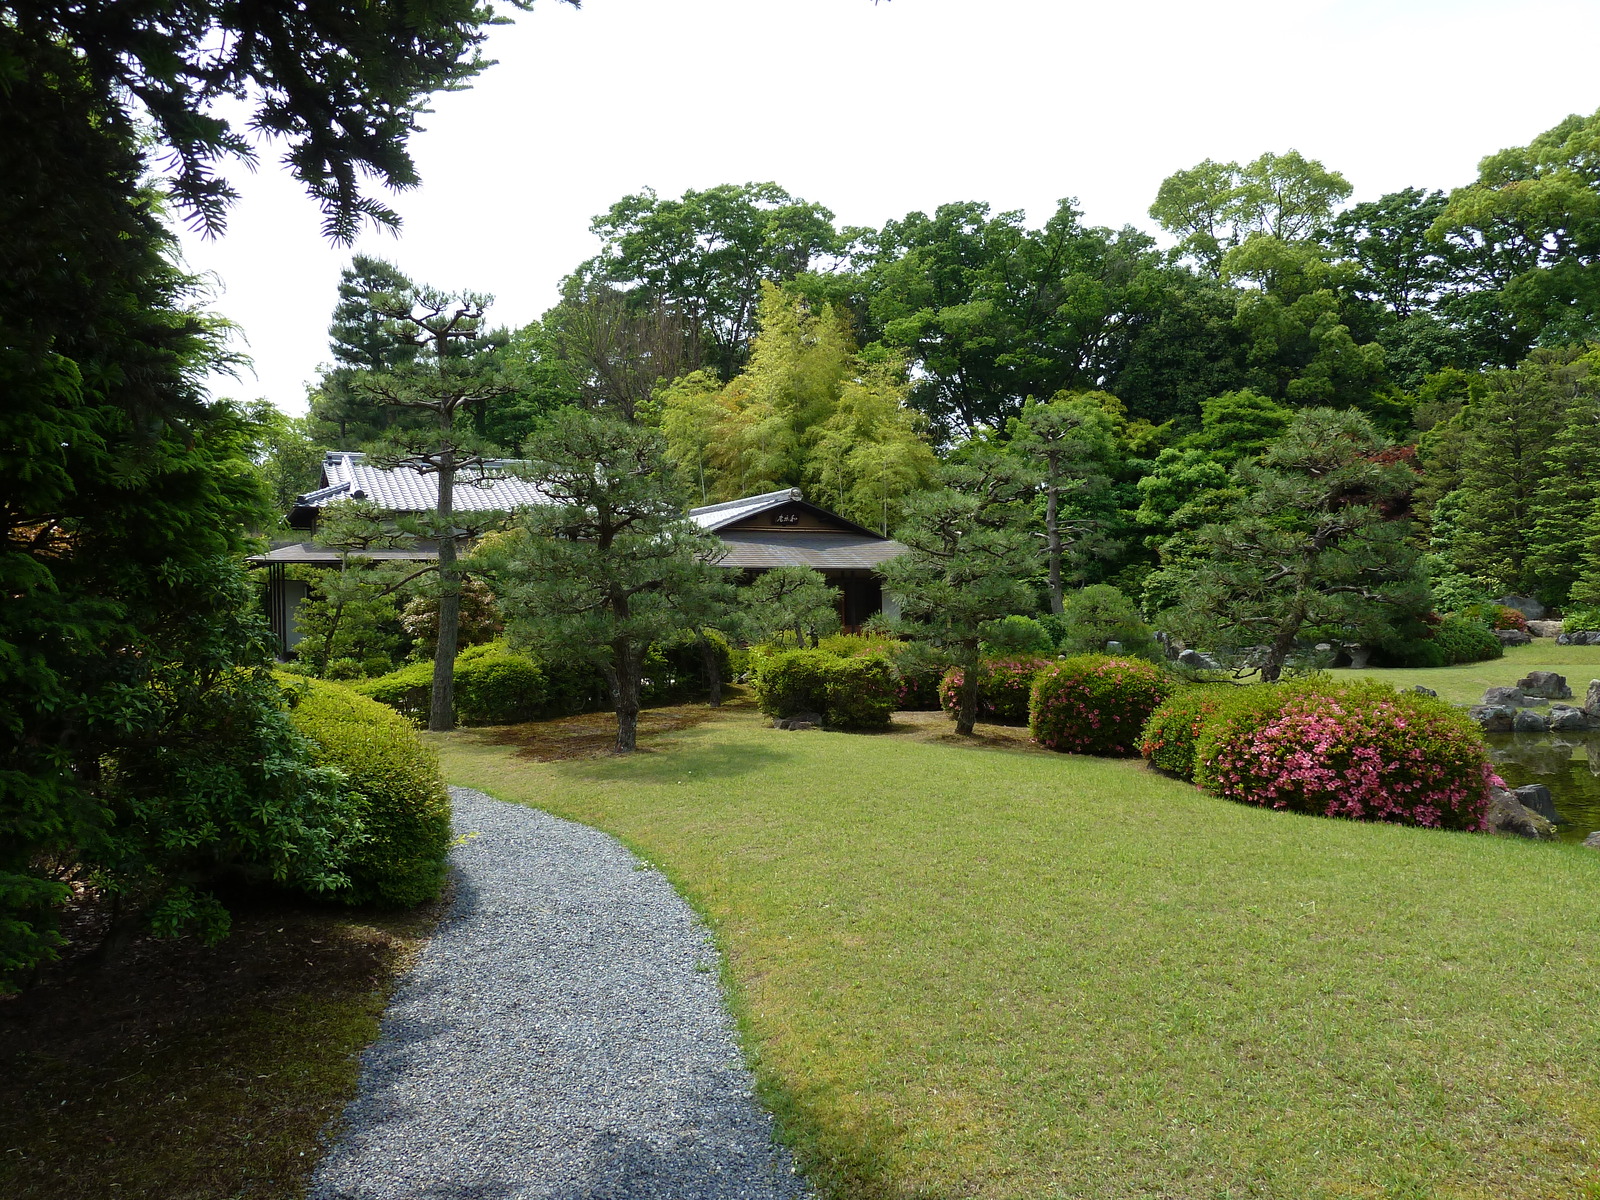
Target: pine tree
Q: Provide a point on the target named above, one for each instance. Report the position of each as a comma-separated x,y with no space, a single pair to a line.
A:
1565,501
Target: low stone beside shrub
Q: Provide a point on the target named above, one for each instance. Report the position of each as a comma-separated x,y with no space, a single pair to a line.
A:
401,801
1004,688
1095,704
1359,750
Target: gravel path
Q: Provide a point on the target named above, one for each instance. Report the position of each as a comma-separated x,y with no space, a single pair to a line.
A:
562,1035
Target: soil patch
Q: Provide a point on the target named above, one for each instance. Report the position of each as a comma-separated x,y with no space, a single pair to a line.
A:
594,735
938,728
191,1072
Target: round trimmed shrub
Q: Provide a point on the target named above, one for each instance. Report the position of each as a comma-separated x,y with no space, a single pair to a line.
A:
1095,704
1465,641
1004,689
1169,736
1016,637
793,681
400,796
497,687
859,692
1359,750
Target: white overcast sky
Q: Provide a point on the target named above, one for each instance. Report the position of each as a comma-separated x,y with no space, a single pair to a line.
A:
879,110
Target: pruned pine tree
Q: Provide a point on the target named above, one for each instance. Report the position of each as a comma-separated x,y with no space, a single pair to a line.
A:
606,566
1311,544
970,551
785,600
457,367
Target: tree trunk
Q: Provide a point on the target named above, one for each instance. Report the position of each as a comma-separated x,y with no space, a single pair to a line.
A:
623,675
713,669
967,708
1282,643
1052,528
442,710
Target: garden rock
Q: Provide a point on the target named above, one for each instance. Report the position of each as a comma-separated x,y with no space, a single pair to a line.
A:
1591,701
1547,629
1536,798
804,720
1504,695
1526,605
1198,661
1580,637
1425,691
1568,719
1493,718
1510,817
1593,840
1513,637
1546,684
1359,656
1528,721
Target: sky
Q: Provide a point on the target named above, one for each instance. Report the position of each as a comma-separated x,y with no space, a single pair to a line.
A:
877,110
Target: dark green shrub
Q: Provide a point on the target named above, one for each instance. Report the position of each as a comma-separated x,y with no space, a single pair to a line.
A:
859,692
1409,652
400,796
1004,689
1359,750
793,681
1464,641
1095,704
1172,731
1099,614
1017,637
408,691
498,687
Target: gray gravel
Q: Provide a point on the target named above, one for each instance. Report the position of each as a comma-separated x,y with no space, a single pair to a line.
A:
562,1035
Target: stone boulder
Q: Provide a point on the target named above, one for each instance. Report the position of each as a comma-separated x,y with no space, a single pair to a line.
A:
1593,840
1528,721
1545,628
1508,816
1580,637
1512,637
1199,661
1566,718
1359,656
1505,695
1536,797
1546,685
1425,691
803,720
1526,605
1591,700
1493,718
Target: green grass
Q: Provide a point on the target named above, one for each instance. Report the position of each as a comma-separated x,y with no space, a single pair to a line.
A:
1465,684
978,972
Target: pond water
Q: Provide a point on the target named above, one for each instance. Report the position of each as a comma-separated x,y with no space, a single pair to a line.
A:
1566,763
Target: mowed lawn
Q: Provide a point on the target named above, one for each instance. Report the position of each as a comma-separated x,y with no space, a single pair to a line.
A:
981,972
1465,684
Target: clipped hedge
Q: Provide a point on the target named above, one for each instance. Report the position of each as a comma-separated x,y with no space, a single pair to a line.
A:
1095,704
1170,735
494,686
848,693
1359,750
1004,688
1466,641
400,796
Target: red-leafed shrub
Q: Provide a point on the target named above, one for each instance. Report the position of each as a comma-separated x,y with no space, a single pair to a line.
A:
1003,690
1094,704
1506,617
1359,750
1170,735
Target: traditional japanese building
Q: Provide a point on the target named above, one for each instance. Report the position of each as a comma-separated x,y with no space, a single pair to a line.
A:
777,529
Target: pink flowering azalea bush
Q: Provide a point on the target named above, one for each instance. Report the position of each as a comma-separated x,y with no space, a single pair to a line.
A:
1169,737
1095,704
1358,750
1003,690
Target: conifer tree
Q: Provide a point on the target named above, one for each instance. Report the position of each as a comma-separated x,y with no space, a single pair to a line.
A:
1564,504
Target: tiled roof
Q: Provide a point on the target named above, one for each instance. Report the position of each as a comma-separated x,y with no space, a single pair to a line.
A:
760,550
715,516
348,476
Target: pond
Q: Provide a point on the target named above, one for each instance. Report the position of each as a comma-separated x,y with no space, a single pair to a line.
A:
1566,763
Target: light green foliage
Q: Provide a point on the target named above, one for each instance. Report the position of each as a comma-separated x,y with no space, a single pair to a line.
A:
808,411
349,624
1170,735
969,552
1237,425
1568,495
1310,545
1017,635
1099,614
787,601
289,455
610,564
400,801
848,692
708,254
494,685
1216,208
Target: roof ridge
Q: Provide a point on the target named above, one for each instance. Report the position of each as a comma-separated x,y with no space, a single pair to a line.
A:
721,506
